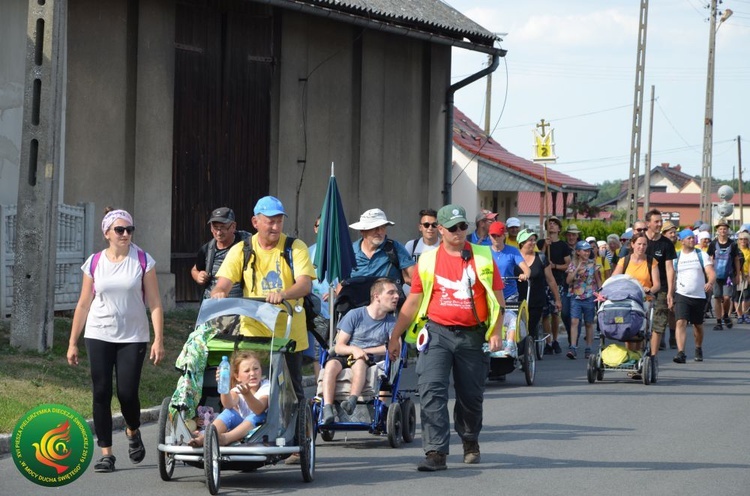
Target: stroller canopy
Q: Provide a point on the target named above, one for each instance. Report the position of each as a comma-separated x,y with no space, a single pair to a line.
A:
623,287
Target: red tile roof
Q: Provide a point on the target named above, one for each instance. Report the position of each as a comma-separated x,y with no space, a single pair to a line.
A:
528,204
472,138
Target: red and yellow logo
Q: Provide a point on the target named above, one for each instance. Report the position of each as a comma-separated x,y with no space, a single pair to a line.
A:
52,445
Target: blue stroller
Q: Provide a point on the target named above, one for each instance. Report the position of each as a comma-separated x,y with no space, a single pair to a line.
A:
373,413
625,317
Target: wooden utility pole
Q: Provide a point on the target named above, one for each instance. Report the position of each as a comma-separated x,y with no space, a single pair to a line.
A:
635,141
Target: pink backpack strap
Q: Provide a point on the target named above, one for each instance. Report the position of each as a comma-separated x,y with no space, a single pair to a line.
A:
94,262
141,259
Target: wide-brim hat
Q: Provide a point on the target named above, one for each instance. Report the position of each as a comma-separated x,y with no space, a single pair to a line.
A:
722,222
371,219
572,228
667,226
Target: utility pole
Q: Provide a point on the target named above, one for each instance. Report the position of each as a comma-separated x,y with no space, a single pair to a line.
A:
708,120
647,178
739,168
488,102
635,142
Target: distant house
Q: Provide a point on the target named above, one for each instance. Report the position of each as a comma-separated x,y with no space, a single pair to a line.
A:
486,175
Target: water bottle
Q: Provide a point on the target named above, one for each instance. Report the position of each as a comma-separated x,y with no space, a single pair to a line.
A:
224,376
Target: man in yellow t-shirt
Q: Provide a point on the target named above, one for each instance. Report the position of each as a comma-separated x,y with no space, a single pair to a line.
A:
269,275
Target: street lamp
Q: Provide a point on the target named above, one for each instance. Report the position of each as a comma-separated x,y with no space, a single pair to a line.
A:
708,121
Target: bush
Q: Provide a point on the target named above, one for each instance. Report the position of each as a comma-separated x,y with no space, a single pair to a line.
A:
597,228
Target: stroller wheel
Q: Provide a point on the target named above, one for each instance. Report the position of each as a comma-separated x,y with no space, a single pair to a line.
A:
591,369
166,432
211,459
646,370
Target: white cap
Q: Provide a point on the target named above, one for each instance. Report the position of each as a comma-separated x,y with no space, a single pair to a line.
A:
590,239
703,235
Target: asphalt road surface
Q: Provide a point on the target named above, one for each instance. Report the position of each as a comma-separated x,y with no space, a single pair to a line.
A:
688,435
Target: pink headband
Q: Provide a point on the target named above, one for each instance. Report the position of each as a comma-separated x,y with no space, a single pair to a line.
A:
112,216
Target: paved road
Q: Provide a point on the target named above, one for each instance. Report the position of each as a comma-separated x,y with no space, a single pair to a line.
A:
689,435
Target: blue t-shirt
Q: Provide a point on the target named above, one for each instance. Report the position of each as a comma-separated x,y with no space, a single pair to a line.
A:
364,331
380,265
507,260
474,239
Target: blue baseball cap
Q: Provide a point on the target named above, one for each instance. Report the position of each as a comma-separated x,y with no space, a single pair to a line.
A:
627,235
583,245
685,233
269,206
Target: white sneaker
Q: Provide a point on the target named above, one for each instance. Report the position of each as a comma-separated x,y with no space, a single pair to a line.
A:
511,349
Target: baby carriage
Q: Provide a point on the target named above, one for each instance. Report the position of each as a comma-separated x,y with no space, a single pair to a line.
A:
501,362
625,316
373,412
288,427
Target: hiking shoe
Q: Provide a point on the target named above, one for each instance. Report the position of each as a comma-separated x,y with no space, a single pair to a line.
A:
548,350
433,462
471,452
718,326
698,354
511,349
587,353
572,353
556,347
679,358
329,414
728,322
742,319
349,404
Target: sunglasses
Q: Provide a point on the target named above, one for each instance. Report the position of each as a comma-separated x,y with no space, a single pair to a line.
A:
643,229
428,225
120,230
460,226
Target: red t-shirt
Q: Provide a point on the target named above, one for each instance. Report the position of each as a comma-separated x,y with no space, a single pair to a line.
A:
449,302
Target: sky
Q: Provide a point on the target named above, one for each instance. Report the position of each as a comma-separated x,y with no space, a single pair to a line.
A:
572,63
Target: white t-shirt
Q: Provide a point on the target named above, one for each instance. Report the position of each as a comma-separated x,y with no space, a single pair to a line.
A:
118,313
420,248
263,390
690,279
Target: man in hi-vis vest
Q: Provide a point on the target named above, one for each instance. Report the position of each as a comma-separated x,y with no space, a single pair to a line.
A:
457,296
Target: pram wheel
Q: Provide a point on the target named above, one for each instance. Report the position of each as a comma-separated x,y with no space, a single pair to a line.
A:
646,370
211,459
591,371
306,442
395,425
166,431
529,360
409,414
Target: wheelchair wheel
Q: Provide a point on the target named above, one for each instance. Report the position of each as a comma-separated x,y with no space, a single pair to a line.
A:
306,440
409,414
211,459
395,425
327,435
166,432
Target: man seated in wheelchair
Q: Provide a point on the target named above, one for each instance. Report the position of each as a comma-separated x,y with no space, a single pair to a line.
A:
361,341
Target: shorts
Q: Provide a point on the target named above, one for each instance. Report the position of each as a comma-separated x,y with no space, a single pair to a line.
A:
737,294
344,360
721,289
661,313
549,308
690,309
582,309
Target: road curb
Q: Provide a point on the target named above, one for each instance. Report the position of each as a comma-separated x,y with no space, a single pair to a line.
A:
118,422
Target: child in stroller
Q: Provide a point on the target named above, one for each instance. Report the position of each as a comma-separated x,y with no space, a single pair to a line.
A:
246,404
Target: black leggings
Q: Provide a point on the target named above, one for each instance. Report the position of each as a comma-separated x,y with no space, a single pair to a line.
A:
127,361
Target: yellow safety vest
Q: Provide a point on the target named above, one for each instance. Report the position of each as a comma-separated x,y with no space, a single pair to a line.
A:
485,268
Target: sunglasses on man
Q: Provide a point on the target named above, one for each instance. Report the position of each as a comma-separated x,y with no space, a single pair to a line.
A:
428,225
463,226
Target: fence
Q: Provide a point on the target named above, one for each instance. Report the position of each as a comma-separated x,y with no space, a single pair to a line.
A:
75,234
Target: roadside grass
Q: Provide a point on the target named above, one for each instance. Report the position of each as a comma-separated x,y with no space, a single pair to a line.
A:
28,379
